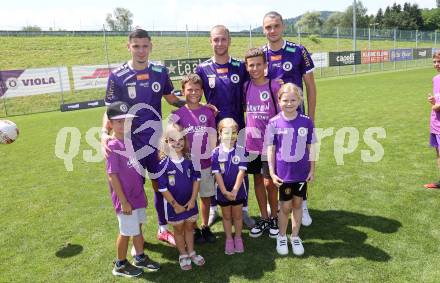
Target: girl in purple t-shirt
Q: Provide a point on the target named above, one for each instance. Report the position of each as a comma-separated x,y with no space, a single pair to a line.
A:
291,166
179,183
434,100
229,164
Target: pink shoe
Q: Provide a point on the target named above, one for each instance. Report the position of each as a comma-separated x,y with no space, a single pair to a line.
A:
229,247
239,247
166,236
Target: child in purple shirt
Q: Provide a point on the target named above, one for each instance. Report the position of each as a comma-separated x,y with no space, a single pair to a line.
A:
179,183
291,164
434,100
128,196
229,163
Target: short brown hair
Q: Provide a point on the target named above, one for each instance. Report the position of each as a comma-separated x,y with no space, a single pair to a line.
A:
138,33
436,54
221,27
254,52
273,14
194,78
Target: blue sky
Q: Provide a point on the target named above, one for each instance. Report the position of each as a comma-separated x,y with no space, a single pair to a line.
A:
167,14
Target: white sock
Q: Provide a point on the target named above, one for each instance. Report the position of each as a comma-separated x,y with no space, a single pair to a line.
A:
213,208
245,208
304,204
163,228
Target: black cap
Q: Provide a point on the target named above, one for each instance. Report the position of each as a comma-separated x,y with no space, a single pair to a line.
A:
119,110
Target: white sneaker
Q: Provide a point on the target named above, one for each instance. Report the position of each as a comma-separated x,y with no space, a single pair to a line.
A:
297,246
282,248
250,222
306,219
213,214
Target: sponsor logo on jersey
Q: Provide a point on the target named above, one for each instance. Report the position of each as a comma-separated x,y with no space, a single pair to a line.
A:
203,118
130,84
222,167
235,63
287,66
211,81
188,173
156,69
142,77
306,58
156,87
144,84
235,78
171,180
276,58
264,95
236,159
222,71
132,92
291,49
302,132
121,73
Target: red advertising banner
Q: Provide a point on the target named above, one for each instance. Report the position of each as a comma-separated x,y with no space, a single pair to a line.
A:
375,56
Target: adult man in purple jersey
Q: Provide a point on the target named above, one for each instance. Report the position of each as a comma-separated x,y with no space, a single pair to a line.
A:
223,78
142,84
292,63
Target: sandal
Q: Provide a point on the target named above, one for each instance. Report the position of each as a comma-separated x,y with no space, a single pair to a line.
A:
185,262
197,259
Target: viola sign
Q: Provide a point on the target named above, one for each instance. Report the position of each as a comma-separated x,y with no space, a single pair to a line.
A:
15,83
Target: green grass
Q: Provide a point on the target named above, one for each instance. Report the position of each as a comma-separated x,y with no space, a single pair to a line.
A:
373,222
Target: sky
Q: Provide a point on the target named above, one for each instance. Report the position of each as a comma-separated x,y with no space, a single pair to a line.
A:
168,14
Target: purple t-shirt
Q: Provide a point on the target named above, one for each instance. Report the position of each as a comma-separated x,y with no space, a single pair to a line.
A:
223,87
132,183
261,105
435,115
198,124
178,177
289,63
141,86
290,138
228,163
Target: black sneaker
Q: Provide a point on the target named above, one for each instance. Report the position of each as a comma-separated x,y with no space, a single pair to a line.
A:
261,226
198,237
207,235
273,227
146,263
126,270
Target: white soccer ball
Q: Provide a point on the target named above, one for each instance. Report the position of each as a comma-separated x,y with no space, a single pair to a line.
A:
8,132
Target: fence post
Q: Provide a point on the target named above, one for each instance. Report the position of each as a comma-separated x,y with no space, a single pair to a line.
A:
369,48
187,41
435,38
61,85
394,63
299,34
337,48
106,46
4,105
250,36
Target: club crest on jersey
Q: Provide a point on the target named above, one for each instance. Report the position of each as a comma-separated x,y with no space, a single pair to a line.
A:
171,180
235,78
236,159
264,95
203,118
302,132
155,87
287,66
211,82
131,92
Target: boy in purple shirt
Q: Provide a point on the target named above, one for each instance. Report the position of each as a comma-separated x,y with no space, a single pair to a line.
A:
434,100
128,196
261,105
229,163
291,166
198,122
292,63
179,183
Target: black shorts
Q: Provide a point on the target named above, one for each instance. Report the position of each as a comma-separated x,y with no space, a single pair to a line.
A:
288,190
257,166
228,203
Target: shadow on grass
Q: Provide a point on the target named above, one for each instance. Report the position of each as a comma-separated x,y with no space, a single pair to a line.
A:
338,229
69,250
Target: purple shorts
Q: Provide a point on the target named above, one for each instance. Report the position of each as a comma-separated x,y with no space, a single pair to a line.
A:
434,140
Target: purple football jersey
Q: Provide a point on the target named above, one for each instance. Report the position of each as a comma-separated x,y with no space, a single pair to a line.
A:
289,63
223,87
291,138
435,115
228,163
198,123
261,105
178,177
132,183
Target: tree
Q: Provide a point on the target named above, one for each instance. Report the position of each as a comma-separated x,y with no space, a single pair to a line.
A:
31,28
431,19
332,22
379,18
362,19
438,3
121,20
311,21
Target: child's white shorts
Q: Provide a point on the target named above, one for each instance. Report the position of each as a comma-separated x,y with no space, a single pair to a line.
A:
129,224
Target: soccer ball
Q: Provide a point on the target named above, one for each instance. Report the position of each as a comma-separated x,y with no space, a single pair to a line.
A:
8,132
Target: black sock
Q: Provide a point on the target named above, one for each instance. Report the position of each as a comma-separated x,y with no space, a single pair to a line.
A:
139,257
120,263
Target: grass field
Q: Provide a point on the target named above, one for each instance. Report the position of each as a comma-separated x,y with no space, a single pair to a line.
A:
373,222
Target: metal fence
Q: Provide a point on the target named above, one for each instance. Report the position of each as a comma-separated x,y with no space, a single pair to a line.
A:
94,53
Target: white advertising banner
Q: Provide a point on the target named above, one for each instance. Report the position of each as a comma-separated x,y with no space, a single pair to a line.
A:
87,77
14,83
320,60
